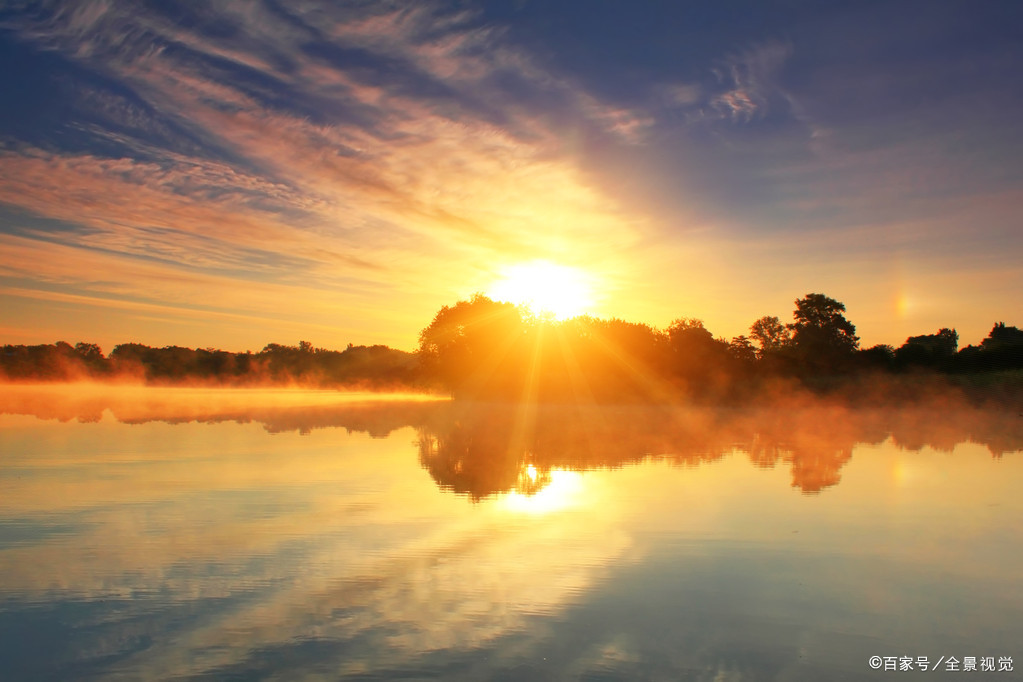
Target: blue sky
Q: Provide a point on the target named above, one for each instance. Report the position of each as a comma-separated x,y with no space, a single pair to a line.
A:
232,173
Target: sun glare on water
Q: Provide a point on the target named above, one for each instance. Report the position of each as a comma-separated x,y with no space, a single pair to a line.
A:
545,288
563,490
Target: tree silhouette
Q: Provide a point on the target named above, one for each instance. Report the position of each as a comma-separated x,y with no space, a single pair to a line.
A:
821,334
881,356
742,350
1002,336
1002,349
473,343
771,334
90,352
932,350
699,359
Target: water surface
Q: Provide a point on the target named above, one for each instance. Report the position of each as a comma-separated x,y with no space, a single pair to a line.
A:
291,535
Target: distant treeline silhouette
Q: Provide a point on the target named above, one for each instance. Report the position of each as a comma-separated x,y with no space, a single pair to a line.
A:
276,364
487,349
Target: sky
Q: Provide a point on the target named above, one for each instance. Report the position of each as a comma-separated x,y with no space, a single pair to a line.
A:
234,173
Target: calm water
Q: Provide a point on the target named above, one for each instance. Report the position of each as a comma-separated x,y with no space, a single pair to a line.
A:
285,535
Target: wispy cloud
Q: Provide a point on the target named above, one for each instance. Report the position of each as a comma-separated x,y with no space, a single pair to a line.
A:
324,137
751,81
418,148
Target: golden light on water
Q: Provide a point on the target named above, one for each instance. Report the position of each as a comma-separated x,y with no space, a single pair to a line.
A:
545,288
563,491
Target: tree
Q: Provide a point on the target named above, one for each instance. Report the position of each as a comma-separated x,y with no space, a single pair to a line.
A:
90,352
92,357
698,358
477,341
949,341
881,356
820,333
692,343
742,350
1002,349
771,334
1002,336
688,331
597,357
929,349
943,344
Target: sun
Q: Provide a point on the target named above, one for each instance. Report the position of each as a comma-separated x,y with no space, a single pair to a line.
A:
545,288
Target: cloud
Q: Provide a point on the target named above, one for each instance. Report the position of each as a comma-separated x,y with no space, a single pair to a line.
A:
274,144
419,148
740,87
109,282
751,79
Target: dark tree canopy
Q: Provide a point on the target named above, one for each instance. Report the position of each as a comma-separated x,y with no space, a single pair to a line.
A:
945,343
771,334
820,329
932,350
742,349
1003,336
468,340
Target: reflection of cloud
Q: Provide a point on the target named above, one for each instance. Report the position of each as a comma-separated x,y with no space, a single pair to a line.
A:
226,550
440,593
264,543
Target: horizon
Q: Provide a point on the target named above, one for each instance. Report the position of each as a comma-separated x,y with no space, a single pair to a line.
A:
176,175
530,316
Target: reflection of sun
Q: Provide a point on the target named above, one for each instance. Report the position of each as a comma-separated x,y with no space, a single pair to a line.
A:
546,288
563,491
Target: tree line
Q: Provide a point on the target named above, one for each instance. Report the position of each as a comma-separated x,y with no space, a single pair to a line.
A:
366,366
490,349
482,347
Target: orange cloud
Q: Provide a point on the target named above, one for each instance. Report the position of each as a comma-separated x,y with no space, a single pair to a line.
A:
362,204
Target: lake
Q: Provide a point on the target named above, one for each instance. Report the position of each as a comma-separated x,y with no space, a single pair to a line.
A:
294,535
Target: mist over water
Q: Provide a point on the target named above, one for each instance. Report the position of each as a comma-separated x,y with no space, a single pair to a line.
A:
159,533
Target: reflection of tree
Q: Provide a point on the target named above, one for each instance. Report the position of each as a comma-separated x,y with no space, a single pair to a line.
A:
1000,431
815,470
485,450
816,450
474,457
276,411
